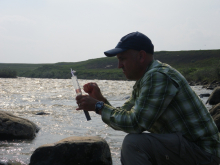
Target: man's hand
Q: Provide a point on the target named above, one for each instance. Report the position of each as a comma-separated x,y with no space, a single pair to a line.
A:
86,102
94,91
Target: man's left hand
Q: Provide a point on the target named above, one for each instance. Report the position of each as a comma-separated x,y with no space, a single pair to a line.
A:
86,102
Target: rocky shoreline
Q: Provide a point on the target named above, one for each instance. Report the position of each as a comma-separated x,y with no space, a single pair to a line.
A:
206,84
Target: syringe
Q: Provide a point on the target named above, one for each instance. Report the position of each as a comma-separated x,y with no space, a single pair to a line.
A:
78,91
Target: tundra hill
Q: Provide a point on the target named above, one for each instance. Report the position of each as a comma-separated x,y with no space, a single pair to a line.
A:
189,63
173,58
194,58
18,67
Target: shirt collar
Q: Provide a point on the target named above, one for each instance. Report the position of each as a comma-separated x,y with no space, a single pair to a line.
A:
153,64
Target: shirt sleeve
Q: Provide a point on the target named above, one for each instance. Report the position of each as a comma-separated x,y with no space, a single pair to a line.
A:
151,99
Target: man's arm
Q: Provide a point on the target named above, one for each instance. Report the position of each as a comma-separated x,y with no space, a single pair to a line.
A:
155,94
87,102
94,91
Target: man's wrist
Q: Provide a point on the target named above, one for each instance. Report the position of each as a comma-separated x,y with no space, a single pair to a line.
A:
99,106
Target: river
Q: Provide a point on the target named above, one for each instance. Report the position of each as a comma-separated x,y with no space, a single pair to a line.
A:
24,97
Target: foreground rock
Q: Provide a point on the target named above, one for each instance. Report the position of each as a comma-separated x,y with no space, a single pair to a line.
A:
13,127
4,163
73,151
214,97
215,113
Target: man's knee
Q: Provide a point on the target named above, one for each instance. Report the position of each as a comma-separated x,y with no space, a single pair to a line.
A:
135,146
135,141
129,142
130,139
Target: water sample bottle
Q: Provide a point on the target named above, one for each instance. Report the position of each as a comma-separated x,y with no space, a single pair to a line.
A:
78,92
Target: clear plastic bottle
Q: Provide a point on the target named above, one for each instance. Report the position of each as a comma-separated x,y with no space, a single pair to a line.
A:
79,92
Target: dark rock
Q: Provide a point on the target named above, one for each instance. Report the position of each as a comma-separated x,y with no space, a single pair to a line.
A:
192,83
42,113
13,127
211,87
214,82
127,97
205,82
73,151
215,113
214,97
4,163
204,95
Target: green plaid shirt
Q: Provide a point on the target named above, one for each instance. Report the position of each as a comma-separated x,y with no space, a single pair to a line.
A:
163,102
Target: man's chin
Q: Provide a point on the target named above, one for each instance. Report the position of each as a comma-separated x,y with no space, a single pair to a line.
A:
129,78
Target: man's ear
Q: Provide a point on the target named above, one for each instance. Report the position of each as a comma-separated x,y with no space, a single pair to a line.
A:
142,56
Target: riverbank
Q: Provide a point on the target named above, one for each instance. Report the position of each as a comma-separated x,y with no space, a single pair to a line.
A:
206,84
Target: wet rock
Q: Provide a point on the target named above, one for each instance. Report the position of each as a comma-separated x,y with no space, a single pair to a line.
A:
214,97
13,127
215,113
192,83
204,95
127,97
205,82
214,82
42,113
74,151
210,87
4,163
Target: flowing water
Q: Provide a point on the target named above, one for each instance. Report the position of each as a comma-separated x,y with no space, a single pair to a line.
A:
24,97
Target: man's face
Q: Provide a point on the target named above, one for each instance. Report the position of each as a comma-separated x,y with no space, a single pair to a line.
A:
130,64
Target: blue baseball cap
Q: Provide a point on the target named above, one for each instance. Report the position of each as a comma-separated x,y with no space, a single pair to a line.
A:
135,40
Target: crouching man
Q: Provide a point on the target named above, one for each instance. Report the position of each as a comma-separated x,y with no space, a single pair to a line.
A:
182,132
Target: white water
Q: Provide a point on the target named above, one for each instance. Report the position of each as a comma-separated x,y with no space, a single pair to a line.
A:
24,97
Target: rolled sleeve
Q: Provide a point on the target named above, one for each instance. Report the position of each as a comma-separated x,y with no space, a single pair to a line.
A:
106,113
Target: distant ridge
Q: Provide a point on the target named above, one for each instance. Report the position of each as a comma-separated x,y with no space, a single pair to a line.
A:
189,63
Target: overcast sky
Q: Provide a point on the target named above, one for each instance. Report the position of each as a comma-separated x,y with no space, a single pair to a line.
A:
50,31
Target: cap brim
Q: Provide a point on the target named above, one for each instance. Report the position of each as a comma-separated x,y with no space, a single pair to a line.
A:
114,52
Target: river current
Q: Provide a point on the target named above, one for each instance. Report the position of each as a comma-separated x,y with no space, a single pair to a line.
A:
25,97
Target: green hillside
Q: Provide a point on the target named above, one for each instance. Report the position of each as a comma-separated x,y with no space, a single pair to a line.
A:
19,68
195,65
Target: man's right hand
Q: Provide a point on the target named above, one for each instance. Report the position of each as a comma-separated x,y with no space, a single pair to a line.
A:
94,91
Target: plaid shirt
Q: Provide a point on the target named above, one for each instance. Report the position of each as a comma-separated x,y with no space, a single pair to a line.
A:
163,102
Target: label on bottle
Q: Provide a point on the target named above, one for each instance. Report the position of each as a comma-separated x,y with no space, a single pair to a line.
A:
78,91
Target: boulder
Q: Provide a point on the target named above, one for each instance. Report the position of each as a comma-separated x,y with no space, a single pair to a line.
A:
210,87
91,150
214,97
13,127
192,83
205,82
42,113
204,95
125,98
215,113
4,163
214,82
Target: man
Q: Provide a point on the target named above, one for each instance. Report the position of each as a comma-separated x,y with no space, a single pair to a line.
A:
162,102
